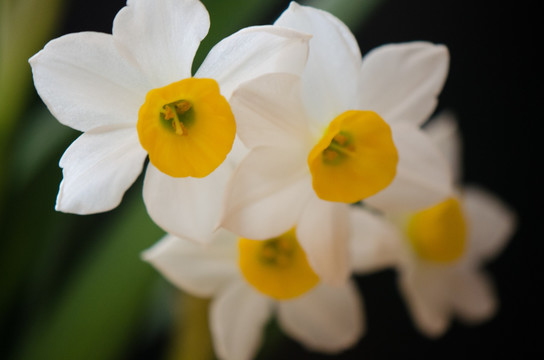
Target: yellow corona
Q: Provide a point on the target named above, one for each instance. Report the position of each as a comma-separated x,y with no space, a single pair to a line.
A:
438,234
355,158
277,267
187,127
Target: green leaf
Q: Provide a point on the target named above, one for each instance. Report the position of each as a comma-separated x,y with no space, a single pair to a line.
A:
25,26
352,12
42,138
106,297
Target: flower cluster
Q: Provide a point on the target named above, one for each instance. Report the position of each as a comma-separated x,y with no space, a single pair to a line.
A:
284,166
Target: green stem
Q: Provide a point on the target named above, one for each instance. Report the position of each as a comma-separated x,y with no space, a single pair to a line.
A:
191,338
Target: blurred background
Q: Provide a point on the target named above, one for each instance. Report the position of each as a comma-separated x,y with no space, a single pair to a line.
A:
74,287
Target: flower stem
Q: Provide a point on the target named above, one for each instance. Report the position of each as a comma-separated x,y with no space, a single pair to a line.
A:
192,338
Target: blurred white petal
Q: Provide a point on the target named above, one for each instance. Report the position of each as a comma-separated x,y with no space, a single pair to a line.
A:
373,241
266,194
237,319
444,133
423,175
427,296
327,319
201,270
473,297
490,223
186,207
323,233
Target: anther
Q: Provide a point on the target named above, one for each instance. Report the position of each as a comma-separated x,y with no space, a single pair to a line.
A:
330,154
340,139
168,112
182,106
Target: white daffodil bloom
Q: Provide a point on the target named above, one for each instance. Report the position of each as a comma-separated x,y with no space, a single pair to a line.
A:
132,94
250,280
347,130
439,251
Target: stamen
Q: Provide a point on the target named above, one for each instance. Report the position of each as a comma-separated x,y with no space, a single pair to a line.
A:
340,139
168,112
329,155
183,106
277,251
268,254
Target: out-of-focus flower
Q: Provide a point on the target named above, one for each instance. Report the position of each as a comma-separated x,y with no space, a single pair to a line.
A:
439,251
132,95
347,130
249,280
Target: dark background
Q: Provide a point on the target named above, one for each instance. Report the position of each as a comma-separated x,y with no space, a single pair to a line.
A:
495,88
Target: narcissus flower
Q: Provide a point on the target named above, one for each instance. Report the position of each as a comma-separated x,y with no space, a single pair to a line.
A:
132,94
250,280
346,130
439,250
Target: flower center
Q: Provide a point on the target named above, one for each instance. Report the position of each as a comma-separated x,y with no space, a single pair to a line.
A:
178,115
276,267
355,158
187,127
438,234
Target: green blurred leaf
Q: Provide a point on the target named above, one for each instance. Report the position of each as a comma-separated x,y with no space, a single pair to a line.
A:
352,12
42,138
105,299
25,26
31,229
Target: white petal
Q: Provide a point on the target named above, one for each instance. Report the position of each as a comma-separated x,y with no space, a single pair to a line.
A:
162,36
330,79
427,295
373,241
252,52
201,270
490,222
327,319
97,170
237,319
266,194
186,207
401,82
323,232
473,297
444,133
269,112
86,83
238,152
423,174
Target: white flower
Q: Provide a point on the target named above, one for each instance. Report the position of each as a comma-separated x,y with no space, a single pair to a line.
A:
250,280
333,137
132,95
439,251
